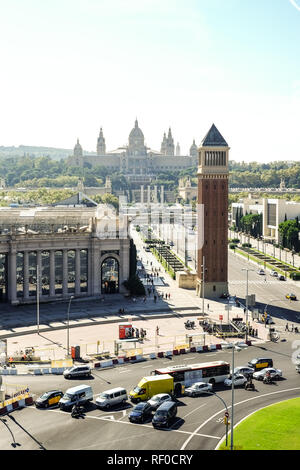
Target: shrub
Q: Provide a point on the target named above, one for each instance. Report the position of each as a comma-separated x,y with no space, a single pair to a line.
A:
134,285
232,246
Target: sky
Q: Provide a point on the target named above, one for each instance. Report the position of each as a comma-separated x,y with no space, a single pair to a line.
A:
69,67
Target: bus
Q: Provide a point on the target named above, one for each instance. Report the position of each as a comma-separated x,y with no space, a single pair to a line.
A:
211,372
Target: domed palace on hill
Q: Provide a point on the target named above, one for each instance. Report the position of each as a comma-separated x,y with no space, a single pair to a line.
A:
136,158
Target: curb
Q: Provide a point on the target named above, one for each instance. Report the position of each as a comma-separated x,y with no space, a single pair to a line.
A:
109,363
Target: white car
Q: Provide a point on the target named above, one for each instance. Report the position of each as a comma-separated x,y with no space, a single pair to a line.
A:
274,273
198,388
261,272
274,373
158,399
238,380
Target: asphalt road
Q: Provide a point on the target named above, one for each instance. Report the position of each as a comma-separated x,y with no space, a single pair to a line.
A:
198,424
269,292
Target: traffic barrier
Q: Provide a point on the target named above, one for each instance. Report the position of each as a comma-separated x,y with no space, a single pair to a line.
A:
132,358
160,354
104,364
205,348
37,372
121,360
212,347
199,349
152,356
175,352
219,346
192,349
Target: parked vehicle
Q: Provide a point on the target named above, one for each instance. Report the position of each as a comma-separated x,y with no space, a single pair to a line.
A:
140,413
274,373
238,380
260,363
50,398
79,395
298,368
158,399
109,398
77,371
274,273
164,414
150,386
291,296
281,278
198,388
261,272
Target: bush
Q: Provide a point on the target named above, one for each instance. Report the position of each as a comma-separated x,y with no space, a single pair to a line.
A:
232,246
295,276
235,240
134,285
247,245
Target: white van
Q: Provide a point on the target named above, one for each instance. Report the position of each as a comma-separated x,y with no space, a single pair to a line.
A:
80,395
109,398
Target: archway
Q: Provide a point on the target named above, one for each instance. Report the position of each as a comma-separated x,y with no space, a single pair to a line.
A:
110,276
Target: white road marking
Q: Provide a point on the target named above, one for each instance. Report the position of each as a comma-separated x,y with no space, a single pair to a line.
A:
236,404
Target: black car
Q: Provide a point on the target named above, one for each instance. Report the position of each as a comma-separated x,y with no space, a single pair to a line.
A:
164,414
50,398
140,413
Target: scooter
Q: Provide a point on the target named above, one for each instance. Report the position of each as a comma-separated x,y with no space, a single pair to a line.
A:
249,386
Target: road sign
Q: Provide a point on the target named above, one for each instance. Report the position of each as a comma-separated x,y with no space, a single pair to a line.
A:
220,317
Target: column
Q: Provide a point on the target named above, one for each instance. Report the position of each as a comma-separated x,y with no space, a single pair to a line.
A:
142,194
65,273
52,273
162,195
155,194
148,195
77,271
12,276
39,270
26,275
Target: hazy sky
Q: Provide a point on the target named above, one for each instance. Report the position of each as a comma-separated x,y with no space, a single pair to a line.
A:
71,66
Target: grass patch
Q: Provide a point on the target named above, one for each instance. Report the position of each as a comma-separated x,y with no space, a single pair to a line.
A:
275,427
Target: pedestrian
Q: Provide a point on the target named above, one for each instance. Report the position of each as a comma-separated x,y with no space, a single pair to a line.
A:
137,334
287,327
207,306
145,298
157,330
166,295
169,295
292,328
154,298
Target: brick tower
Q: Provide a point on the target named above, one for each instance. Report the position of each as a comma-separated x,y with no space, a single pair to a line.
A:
213,215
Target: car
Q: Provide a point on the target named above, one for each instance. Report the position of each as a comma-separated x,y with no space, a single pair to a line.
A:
140,412
261,272
238,380
198,388
291,296
48,399
281,278
274,273
77,371
158,399
274,373
244,370
164,414
298,368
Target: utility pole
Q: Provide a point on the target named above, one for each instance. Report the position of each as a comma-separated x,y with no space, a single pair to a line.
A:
38,298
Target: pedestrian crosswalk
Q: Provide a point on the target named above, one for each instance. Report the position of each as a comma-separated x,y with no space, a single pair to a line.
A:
255,282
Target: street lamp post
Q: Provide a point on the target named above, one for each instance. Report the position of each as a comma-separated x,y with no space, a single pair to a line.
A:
247,271
68,325
203,281
38,298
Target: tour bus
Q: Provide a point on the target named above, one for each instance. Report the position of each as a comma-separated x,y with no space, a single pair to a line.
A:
211,372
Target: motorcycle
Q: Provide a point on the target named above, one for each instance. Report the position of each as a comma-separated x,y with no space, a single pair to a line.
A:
267,380
189,325
77,411
249,386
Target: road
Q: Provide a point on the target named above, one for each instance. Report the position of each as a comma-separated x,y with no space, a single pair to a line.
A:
268,290
198,424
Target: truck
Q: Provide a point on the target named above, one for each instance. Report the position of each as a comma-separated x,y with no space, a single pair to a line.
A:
150,386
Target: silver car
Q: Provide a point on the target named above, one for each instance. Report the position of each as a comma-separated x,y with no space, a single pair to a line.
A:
198,388
158,399
77,371
238,380
274,373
